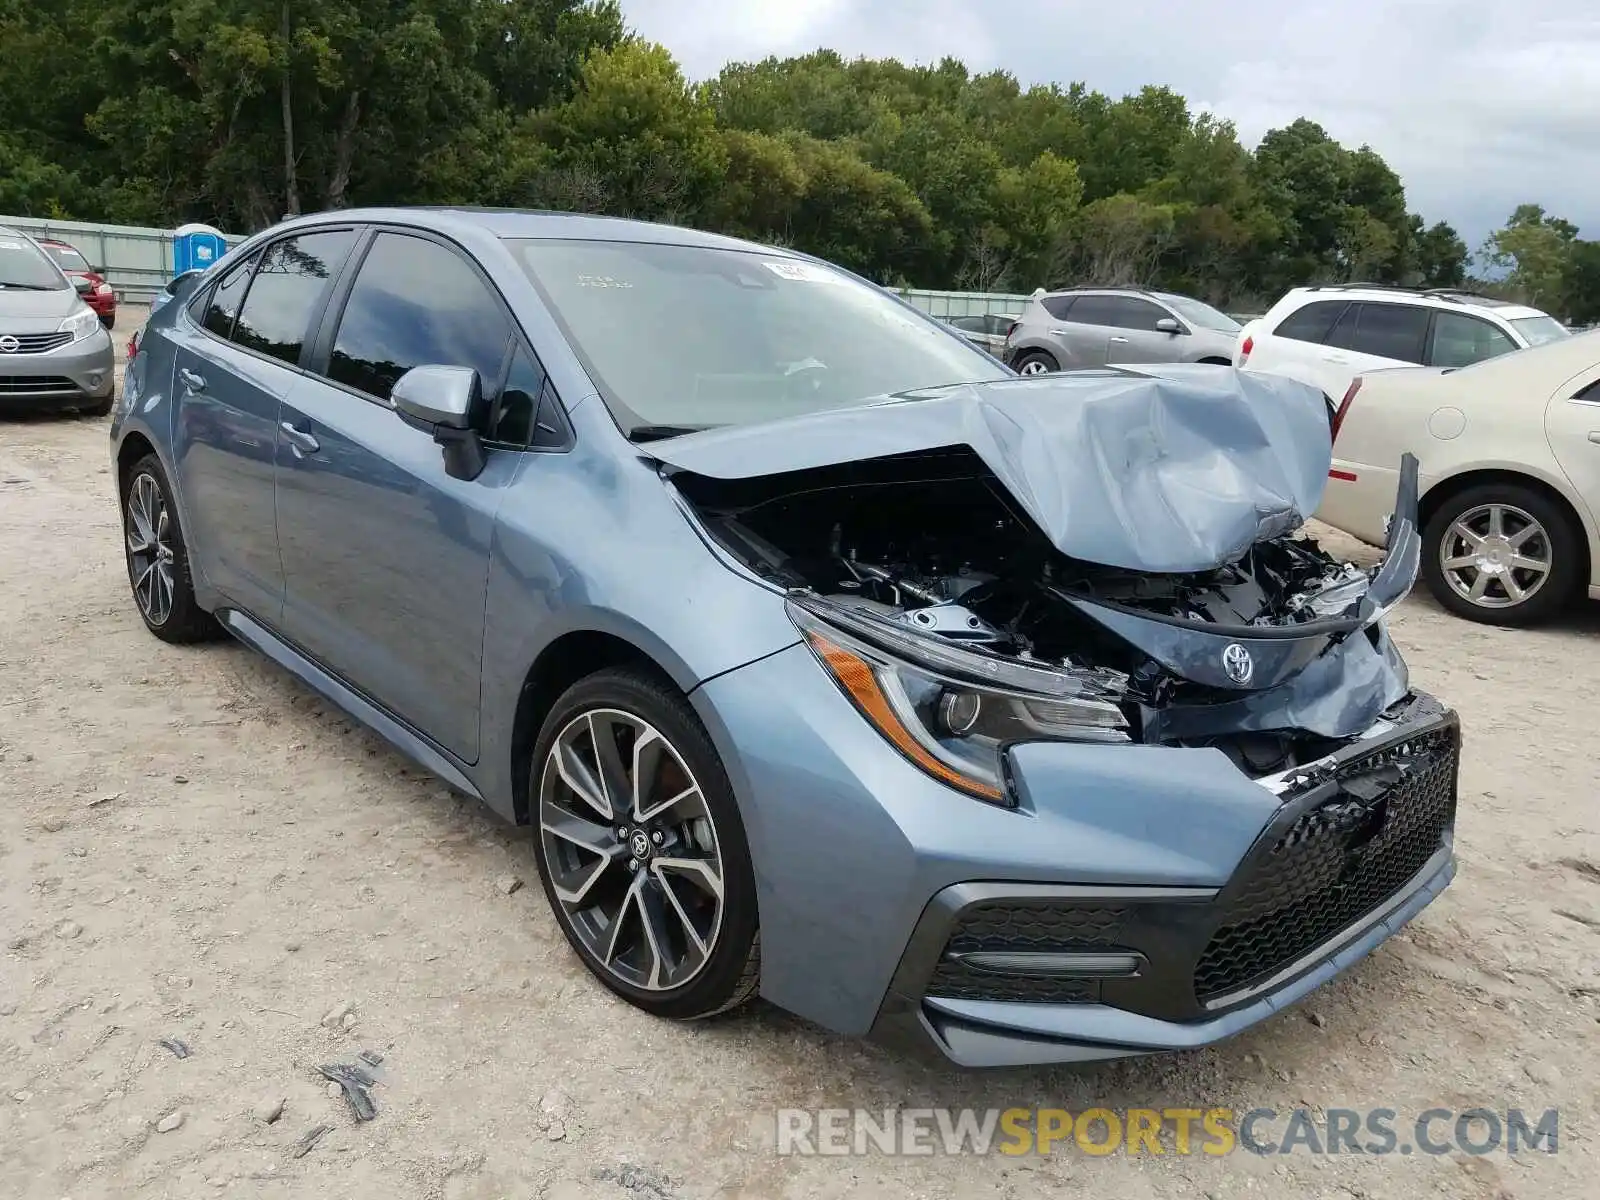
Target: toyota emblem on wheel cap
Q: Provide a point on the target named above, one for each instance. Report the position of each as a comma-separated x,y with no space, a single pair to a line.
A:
9,344
1237,663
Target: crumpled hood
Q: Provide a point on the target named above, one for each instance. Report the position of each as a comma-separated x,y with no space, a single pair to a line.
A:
1164,469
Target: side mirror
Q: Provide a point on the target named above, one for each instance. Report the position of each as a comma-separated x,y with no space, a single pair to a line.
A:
82,285
1168,325
446,402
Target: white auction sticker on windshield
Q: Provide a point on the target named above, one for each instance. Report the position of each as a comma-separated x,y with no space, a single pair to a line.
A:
10,245
803,272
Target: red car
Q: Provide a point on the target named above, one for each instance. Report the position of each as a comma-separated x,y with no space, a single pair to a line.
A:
100,295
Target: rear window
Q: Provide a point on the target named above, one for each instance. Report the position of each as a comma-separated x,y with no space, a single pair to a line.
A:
1313,322
68,258
1058,306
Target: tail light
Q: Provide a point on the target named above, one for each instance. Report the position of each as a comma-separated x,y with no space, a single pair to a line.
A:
1244,350
1011,329
133,346
1344,407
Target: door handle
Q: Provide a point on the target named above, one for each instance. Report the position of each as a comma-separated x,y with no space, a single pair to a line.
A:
192,380
1117,340
300,442
1594,436
1335,358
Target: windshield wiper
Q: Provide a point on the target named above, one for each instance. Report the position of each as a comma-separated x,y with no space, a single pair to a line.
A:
26,287
655,433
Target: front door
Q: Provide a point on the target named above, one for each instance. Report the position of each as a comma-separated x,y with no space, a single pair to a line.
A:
385,556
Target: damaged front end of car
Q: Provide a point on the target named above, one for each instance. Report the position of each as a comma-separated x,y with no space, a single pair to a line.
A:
950,590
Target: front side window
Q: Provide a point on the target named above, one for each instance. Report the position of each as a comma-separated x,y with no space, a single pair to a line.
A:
677,336
24,267
417,303
1197,312
288,290
1460,341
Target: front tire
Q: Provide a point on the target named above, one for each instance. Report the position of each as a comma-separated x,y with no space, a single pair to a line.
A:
641,849
1501,554
158,559
1037,362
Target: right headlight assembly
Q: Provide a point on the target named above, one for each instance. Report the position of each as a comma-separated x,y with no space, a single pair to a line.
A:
950,709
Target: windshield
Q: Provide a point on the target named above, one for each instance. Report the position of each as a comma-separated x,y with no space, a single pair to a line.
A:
1199,313
1541,329
689,337
23,265
67,258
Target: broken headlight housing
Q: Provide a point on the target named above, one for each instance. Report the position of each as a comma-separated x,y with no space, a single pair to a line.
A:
952,709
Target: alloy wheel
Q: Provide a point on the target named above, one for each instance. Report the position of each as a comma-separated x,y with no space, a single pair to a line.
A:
631,849
1496,556
150,555
1034,366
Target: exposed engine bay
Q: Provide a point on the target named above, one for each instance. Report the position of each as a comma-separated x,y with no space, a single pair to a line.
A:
932,541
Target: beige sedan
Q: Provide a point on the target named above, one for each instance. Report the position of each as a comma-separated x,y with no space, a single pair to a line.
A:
1509,454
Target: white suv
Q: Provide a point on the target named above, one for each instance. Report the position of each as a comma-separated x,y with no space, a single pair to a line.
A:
1326,336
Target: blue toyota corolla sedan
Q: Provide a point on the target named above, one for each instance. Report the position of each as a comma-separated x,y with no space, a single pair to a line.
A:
1011,719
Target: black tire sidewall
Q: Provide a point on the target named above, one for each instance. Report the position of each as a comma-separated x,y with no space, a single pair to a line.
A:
187,622
1558,589
658,703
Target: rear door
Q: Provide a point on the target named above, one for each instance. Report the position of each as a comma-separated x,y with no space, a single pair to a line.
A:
385,556
1369,336
1572,423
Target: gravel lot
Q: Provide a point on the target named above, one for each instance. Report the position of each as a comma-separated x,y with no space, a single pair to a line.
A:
193,846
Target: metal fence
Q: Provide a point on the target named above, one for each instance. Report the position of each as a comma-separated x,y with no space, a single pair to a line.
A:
136,260
945,305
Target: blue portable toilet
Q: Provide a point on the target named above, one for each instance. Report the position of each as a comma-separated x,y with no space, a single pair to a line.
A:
195,247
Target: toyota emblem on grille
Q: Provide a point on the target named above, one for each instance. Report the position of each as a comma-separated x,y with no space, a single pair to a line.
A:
9,344
1237,663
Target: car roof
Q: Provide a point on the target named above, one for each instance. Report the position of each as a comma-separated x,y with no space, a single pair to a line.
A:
535,224
1434,297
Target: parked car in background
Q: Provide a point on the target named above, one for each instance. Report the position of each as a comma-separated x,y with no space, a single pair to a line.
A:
1092,327
53,352
1510,475
1326,336
988,330
101,296
807,678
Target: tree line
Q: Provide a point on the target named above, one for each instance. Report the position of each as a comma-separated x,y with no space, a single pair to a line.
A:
240,112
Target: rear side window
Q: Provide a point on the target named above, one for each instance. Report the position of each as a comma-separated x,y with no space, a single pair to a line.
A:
1117,312
1589,392
1313,322
1058,306
288,291
418,303
1396,331
1459,340
217,309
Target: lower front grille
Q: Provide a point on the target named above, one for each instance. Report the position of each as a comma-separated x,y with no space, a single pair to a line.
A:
1335,864
44,385
1021,927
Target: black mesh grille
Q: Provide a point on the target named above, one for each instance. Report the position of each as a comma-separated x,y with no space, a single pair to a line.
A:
19,384
1335,864
1025,927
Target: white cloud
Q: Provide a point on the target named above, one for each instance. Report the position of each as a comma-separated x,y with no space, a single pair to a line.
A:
1480,105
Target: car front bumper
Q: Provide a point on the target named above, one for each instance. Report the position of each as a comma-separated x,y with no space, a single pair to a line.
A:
1139,899
80,374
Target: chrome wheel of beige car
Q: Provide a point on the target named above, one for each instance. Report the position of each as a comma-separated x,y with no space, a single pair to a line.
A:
1500,553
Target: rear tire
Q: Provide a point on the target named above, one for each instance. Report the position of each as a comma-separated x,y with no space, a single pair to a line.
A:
158,559
101,408
645,864
1036,362
1475,542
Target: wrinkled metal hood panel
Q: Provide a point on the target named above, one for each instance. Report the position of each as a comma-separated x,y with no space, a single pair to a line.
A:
1172,469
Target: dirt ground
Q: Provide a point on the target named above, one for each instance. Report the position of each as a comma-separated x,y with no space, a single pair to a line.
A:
195,847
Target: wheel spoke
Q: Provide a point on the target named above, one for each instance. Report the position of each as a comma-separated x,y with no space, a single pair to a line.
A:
648,749
655,810
1461,530
656,923
1480,585
1497,520
573,887
1513,589
630,899
578,776
689,928
1521,562
613,775
700,871
1460,561
1529,531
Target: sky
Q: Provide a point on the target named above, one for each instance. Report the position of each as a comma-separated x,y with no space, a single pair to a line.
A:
1479,105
